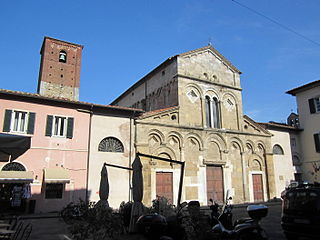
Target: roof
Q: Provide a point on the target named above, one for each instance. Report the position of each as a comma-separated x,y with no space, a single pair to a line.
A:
57,40
170,60
155,112
67,101
283,126
303,88
256,124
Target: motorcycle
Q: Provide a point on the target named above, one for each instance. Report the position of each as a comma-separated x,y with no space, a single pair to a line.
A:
244,228
155,226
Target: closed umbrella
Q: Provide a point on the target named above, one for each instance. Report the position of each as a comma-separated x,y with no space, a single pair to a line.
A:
137,193
104,188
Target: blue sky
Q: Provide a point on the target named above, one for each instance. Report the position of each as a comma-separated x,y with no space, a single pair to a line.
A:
124,40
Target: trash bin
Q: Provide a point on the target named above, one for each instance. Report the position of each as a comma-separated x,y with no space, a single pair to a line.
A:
32,206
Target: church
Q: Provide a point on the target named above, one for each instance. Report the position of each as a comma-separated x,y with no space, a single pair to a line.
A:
194,114
186,110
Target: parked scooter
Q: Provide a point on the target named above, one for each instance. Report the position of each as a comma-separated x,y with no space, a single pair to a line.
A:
243,229
156,226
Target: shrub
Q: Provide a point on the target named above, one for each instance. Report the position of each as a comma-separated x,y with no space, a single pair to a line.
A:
97,223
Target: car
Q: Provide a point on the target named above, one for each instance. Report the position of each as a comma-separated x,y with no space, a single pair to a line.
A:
301,211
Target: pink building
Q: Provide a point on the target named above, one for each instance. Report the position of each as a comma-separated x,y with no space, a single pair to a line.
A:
56,167
56,163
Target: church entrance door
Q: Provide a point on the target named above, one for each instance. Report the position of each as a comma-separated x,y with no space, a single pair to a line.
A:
164,185
257,187
215,183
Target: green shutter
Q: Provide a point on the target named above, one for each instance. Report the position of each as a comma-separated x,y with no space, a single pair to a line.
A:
317,142
312,107
49,125
70,128
7,120
31,122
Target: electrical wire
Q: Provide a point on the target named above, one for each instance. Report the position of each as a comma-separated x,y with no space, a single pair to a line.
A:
277,23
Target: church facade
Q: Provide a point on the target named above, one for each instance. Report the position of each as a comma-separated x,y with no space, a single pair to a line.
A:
194,114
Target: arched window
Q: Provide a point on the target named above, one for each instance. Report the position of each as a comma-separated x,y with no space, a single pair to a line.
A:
62,56
110,144
14,166
208,115
277,149
212,112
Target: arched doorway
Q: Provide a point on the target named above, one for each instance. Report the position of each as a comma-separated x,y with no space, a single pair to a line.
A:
14,179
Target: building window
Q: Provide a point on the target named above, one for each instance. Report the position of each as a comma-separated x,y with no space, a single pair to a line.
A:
54,190
13,166
59,126
314,105
317,141
19,121
63,56
212,112
277,150
110,144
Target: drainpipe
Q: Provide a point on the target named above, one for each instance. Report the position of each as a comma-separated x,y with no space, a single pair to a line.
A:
88,157
130,157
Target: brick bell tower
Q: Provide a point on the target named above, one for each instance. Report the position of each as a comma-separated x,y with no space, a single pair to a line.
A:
60,67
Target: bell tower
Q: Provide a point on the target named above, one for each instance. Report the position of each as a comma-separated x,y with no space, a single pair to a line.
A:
60,66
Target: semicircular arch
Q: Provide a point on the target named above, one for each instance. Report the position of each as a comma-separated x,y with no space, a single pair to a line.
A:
176,135
157,133
218,139
212,94
195,87
197,138
238,142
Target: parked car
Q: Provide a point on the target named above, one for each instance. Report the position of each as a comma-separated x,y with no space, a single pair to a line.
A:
301,211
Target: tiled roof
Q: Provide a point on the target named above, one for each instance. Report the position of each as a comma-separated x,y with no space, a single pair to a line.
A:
303,88
279,125
65,100
256,124
157,111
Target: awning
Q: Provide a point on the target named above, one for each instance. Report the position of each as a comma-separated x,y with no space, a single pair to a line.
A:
16,177
14,145
56,175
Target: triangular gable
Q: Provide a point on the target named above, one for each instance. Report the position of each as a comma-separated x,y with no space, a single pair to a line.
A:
253,127
215,53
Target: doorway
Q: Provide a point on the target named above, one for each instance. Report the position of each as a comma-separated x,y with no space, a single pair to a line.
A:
257,187
164,185
215,189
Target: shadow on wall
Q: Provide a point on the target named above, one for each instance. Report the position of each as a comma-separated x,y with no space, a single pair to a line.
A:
49,200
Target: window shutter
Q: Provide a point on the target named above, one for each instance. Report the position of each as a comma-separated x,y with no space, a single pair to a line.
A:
70,128
317,141
312,106
49,125
31,121
7,120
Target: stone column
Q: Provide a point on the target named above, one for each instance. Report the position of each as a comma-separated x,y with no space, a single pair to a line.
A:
246,196
269,169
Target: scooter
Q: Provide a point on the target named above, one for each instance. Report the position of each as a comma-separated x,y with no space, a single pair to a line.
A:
156,226
243,229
